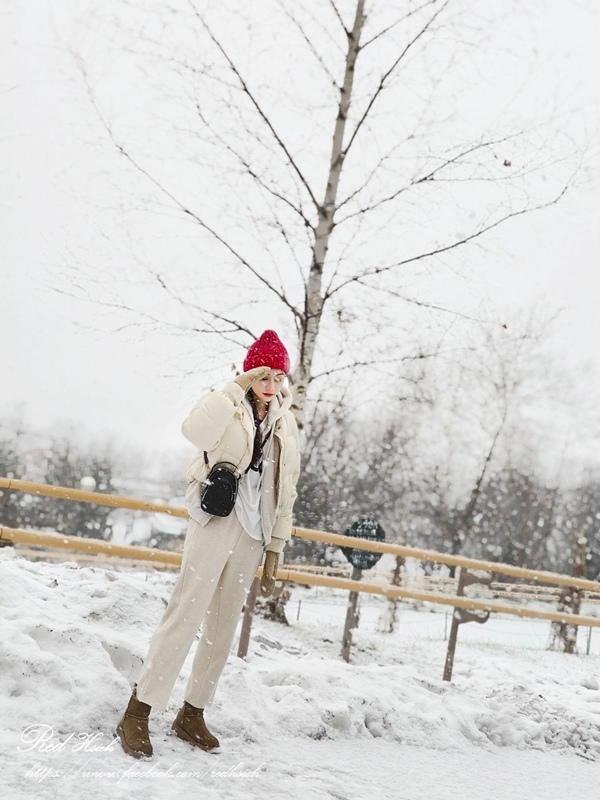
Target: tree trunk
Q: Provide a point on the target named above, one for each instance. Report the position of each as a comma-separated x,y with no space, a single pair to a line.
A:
314,288
563,636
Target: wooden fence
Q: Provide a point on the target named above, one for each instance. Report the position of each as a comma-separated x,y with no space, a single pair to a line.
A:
305,577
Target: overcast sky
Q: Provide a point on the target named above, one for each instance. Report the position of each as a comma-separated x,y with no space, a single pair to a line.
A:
59,359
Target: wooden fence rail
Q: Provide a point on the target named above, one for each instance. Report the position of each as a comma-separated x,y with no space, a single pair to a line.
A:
81,496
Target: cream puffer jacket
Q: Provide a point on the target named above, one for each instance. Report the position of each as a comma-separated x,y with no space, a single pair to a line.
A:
222,425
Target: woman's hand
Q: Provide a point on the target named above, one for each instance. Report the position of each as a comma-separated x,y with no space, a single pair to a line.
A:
269,575
246,379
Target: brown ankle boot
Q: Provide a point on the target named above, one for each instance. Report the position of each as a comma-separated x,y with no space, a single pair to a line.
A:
132,730
189,725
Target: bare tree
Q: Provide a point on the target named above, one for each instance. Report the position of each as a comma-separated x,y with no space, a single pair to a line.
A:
493,437
309,154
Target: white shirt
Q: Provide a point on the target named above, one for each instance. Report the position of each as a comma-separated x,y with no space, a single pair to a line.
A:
247,504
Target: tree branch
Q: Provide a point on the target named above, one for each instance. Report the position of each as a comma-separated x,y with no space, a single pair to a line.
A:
358,229
261,224
339,16
251,172
366,182
311,45
262,114
398,21
414,302
428,177
388,73
182,206
468,512
176,327
370,363
235,325
446,248
193,215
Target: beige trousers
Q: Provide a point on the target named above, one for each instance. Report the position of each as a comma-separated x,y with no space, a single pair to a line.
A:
218,565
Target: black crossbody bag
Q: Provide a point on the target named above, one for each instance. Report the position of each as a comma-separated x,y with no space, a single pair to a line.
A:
219,489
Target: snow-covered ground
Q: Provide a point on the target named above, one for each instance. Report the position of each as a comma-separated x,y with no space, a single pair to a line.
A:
295,721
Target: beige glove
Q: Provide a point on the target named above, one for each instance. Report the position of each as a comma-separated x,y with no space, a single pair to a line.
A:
269,575
246,379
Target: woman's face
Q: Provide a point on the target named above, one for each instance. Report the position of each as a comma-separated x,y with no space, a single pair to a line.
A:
266,388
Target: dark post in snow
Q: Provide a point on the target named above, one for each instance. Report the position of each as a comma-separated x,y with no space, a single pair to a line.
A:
247,619
365,528
461,615
351,616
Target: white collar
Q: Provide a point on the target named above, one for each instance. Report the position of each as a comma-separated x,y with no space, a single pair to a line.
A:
277,407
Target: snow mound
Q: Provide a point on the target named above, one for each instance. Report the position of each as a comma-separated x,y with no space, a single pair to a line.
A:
74,639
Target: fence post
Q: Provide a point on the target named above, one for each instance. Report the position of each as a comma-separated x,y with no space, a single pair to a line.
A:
247,620
393,602
351,616
461,615
563,636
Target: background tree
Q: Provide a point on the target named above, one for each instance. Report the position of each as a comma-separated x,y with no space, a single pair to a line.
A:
579,518
497,432
474,464
66,467
10,514
516,519
58,462
359,463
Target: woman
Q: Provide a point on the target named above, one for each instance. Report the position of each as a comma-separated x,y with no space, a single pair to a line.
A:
249,424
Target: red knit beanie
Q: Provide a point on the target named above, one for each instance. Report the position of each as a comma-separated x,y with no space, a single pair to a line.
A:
267,351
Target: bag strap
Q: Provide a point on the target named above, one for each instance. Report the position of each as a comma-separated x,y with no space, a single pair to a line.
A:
237,472
264,441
